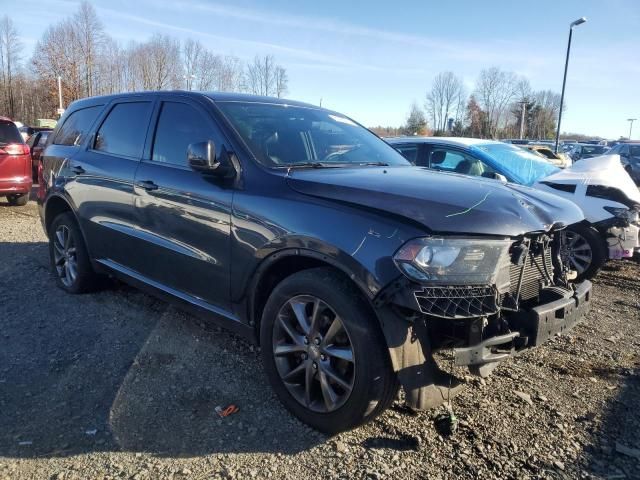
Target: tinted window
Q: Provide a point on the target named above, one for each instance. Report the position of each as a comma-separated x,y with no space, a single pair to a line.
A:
76,126
285,135
634,150
32,140
43,139
9,133
179,125
123,131
410,152
458,162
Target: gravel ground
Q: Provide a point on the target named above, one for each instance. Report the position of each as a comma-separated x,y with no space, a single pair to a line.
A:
120,385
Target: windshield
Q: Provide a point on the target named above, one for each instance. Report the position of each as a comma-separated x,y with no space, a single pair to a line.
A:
522,166
285,135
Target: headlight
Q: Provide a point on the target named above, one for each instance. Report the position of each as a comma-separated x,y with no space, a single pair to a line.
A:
626,214
455,261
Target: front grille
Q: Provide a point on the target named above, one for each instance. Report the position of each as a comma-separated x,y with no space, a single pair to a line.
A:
534,277
457,302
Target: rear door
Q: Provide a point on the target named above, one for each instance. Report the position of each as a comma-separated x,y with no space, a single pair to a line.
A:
184,216
103,173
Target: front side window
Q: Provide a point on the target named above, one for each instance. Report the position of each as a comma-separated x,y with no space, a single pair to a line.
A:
123,131
448,160
283,135
76,126
522,166
179,125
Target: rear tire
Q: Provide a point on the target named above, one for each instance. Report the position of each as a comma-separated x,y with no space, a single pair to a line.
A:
18,200
68,255
586,250
319,334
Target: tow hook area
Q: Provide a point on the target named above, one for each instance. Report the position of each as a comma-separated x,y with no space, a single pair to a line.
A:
483,357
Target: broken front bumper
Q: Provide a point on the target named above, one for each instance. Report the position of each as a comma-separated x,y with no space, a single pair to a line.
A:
529,329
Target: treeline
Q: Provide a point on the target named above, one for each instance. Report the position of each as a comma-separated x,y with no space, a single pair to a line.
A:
89,62
500,102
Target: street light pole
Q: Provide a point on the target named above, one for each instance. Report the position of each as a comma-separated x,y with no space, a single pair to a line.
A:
575,23
631,120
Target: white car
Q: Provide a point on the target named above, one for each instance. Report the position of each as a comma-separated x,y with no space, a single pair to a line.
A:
600,186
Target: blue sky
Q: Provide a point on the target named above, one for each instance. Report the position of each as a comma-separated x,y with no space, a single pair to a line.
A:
372,59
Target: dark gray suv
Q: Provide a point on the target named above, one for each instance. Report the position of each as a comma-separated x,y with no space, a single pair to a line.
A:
296,227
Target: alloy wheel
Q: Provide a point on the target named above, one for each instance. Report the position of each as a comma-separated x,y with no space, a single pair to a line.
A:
577,252
64,255
313,354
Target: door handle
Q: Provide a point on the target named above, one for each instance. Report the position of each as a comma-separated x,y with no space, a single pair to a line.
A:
148,185
78,170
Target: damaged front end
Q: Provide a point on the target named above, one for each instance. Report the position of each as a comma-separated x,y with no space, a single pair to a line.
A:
486,299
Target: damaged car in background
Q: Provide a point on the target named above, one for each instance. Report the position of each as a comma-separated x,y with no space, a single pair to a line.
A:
600,186
298,228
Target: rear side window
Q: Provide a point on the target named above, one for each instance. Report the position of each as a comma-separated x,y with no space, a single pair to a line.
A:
9,133
123,131
43,139
76,126
410,152
179,125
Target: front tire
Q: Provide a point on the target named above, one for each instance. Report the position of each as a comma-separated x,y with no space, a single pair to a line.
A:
324,353
585,251
70,262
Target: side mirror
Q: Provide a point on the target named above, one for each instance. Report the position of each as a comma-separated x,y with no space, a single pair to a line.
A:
495,176
201,157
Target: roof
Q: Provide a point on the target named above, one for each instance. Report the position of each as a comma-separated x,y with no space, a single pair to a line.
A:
467,142
215,96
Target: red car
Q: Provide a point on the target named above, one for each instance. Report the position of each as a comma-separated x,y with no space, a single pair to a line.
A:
15,164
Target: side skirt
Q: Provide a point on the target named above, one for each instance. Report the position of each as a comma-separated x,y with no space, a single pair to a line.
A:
189,303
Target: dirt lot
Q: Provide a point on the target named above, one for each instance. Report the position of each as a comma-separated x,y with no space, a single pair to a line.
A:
120,385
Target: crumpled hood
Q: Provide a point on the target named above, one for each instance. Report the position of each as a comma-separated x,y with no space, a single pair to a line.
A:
605,170
441,202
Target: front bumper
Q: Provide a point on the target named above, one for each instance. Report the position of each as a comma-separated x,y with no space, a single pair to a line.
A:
529,329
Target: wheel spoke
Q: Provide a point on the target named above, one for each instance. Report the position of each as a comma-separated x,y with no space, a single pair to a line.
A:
295,336
313,325
60,238
329,395
308,380
71,266
287,349
343,353
575,264
299,310
584,258
67,238
333,376
295,372
334,329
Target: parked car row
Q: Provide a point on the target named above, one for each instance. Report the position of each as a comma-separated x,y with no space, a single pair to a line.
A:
298,228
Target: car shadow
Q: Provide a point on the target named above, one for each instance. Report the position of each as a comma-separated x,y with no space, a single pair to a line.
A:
120,370
614,451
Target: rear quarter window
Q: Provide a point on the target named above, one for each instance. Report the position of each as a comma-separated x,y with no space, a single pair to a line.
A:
9,133
77,126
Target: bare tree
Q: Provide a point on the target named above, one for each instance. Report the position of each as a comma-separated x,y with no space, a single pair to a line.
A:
10,48
264,77
192,52
90,39
281,81
445,98
495,90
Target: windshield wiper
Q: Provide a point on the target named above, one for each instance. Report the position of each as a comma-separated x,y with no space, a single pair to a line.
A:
310,165
374,164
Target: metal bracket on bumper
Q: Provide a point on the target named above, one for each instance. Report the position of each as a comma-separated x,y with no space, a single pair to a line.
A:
532,328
